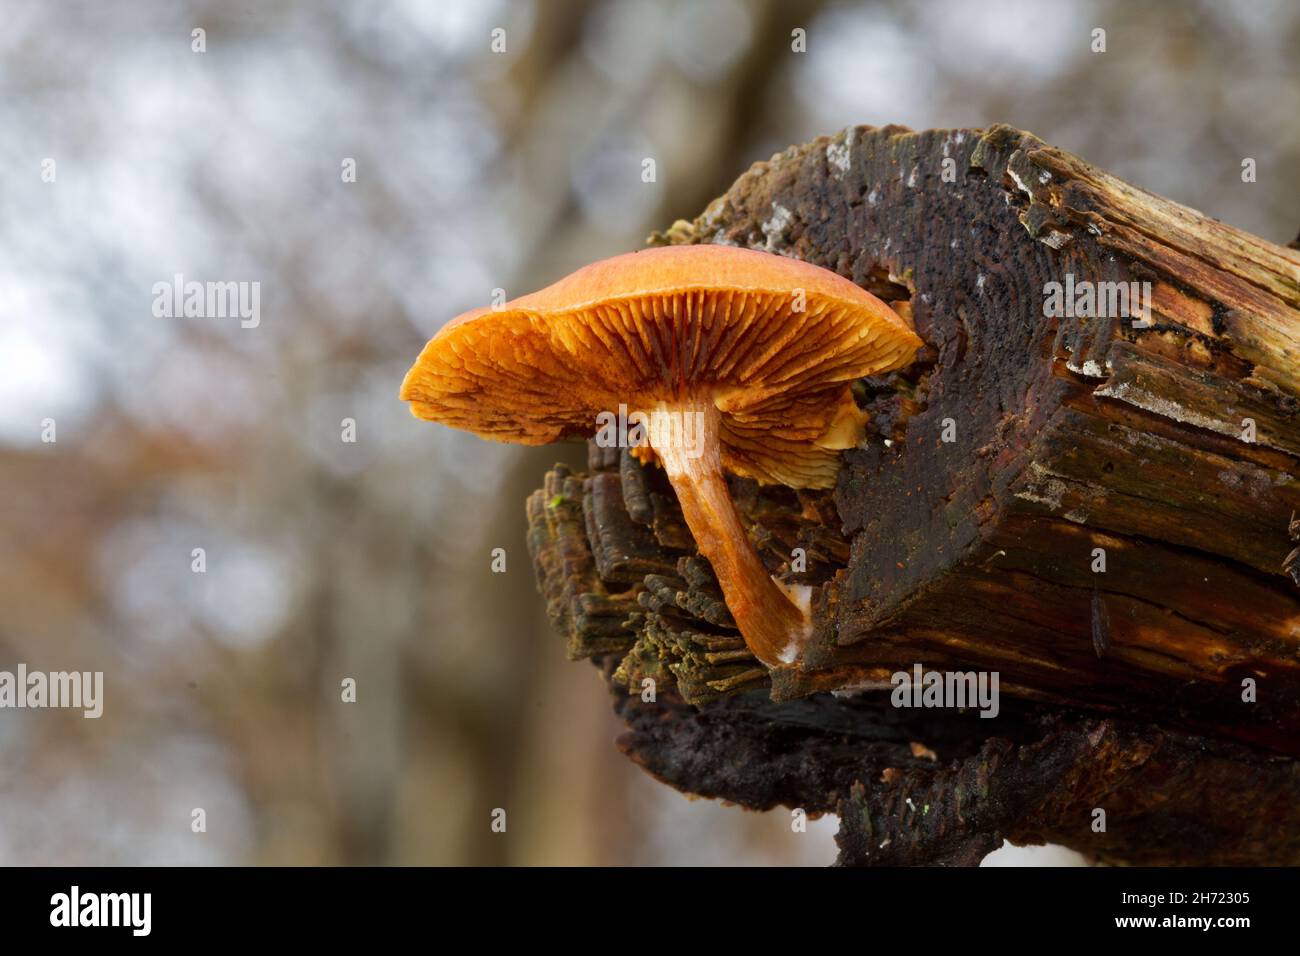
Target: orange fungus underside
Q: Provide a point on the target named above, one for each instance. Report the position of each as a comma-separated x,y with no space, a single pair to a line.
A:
772,342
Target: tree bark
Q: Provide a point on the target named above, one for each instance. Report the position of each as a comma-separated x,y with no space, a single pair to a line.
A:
1100,512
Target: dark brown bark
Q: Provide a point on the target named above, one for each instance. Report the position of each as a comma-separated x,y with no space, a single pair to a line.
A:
1175,449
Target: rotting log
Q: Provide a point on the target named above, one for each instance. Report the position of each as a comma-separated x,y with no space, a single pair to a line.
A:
966,530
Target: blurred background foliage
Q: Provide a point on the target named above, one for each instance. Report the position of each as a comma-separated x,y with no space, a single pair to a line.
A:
475,170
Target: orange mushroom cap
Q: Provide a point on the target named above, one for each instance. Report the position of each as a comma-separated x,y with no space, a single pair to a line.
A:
708,322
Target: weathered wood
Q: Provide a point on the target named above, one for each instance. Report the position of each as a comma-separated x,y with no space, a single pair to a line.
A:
1169,799
1070,434
963,533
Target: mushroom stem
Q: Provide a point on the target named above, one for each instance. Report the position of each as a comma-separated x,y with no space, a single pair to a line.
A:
684,434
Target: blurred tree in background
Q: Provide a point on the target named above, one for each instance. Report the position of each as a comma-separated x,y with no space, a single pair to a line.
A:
328,559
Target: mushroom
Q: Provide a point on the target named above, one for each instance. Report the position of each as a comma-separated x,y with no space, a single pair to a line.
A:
735,359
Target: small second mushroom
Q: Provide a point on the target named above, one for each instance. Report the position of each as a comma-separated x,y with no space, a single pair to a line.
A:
736,360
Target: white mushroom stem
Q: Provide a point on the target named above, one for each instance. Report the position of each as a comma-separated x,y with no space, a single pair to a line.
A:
685,436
